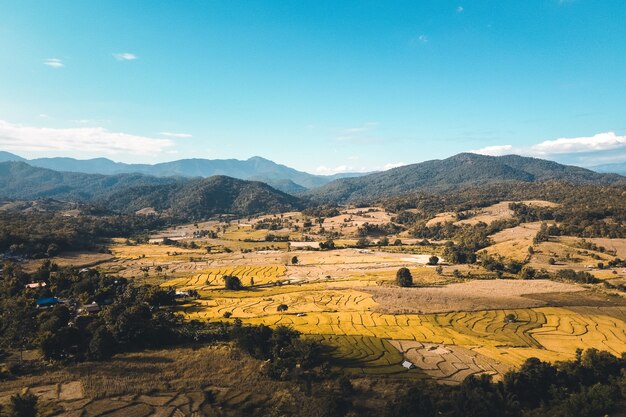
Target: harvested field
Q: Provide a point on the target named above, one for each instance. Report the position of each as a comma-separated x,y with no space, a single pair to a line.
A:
466,296
77,259
447,217
514,242
449,364
174,382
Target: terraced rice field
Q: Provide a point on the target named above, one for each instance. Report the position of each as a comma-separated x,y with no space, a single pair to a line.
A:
212,278
366,355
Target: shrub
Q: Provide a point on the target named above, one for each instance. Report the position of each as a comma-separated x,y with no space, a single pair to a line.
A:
404,277
232,283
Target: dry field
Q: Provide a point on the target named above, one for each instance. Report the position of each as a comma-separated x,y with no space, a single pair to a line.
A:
466,296
449,364
350,220
513,243
206,381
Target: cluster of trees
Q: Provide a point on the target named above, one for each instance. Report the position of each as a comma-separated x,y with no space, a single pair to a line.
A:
283,349
591,385
132,317
369,229
41,234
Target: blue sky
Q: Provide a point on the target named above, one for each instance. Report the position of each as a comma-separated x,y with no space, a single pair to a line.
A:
323,86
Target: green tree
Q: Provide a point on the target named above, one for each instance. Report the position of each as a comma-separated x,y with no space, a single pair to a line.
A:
102,344
404,277
232,283
23,405
294,260
433,260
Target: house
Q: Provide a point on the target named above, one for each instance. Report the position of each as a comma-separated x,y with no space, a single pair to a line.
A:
35,285
408,365
47,302
92,308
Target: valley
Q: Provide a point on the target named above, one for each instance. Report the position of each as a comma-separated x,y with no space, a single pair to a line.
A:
499,273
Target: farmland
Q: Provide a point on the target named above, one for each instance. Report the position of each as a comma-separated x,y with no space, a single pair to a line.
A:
457,320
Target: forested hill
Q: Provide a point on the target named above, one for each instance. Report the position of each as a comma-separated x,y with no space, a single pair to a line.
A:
461,170
182,197
21,181
200,198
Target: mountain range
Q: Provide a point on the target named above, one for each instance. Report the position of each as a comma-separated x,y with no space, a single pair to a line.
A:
256,168
462,170
617,168
195,198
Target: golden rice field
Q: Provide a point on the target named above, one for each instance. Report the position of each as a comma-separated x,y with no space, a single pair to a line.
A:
212,278
345,299
365,355
548,333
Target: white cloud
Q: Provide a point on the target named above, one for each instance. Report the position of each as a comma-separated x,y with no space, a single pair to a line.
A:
587,144
54,63
82,141
125,56
423,38
176,135
599,142
460,9
324,170
392,165
497,150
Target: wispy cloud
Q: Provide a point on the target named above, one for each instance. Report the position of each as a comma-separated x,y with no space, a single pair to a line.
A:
54,63
77,140
176,135
125,56
460,9
423,39
356,133
585,148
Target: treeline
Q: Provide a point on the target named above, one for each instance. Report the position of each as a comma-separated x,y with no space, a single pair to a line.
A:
594,384
584,210
38,234
582,220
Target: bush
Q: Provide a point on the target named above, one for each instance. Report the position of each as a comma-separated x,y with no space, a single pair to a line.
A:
404,277
232,283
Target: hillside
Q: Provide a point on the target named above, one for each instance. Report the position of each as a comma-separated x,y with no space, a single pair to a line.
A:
19,180
461,170
186,198
201,198
256,168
